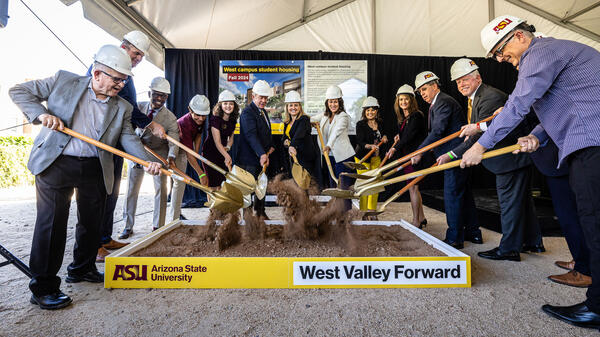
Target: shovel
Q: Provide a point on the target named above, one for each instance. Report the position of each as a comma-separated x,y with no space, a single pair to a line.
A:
238,177
262,181
360,165
376,173
326,154
376,187
228,200
387,155
300,174
395,196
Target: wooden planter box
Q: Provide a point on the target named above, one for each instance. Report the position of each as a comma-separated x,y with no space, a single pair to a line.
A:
122,270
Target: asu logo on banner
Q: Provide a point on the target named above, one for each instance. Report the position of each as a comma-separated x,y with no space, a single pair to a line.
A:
131,272
502,24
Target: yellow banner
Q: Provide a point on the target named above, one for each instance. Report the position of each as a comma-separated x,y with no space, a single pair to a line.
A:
268,272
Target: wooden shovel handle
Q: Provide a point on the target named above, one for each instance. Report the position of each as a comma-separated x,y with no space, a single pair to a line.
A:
387,155
130,157
431,146
326,153
405,188
166,163
197,155
370,153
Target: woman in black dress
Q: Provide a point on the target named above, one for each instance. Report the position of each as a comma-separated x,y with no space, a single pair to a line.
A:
297,134
221,124
369,132
411,132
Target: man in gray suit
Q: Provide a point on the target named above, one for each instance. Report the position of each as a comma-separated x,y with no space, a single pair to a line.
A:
62,164
520,227
159,114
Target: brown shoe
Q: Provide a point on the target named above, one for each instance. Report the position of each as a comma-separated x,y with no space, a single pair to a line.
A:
102,253
573,279
112,245
566,265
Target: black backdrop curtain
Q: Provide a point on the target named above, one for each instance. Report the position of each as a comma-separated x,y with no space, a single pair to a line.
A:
192,71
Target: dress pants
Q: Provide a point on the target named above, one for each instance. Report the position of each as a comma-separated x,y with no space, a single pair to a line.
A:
584,177
369,202
108,215
459,205
565,209
135,175
54,189
517,212
178,189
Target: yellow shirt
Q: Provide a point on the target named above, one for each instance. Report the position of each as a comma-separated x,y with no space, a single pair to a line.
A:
287,130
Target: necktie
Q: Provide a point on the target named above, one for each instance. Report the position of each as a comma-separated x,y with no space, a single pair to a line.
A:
429,118
151,114
469,110
264,115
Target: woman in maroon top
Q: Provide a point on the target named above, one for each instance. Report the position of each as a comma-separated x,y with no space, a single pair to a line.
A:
221,124
411,131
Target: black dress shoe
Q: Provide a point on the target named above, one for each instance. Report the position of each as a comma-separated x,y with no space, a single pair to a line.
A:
533,248
126,233
54,301
91,276
495,254
456,245
578,315
477,239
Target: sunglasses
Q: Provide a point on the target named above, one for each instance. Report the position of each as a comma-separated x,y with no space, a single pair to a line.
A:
116,80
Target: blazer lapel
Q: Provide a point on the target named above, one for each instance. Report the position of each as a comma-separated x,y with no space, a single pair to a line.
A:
476,99
76,91
111,112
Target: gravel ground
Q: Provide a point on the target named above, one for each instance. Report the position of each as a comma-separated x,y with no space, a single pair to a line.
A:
505,299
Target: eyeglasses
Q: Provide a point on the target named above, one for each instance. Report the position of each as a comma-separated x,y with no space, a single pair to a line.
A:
159,94
116,80
498,53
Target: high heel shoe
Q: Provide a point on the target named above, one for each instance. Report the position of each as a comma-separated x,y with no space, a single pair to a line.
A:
423,224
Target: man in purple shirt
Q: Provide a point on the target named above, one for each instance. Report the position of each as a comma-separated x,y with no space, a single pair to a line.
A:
559,79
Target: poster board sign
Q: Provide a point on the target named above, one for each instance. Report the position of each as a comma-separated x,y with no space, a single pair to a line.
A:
310,78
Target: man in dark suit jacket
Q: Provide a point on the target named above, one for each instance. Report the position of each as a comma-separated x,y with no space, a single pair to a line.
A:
62,164
445,118
255,137
520,227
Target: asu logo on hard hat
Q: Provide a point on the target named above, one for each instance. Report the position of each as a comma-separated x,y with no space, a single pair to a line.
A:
428,76
472,63
501,25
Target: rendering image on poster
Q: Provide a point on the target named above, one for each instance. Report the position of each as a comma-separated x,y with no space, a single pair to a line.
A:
309,78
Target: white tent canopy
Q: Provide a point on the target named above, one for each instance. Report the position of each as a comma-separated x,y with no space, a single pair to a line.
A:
399,27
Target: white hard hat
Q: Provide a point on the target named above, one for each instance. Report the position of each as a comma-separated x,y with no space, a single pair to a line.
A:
226,96
462,67
114,57
333,92
496,30
262,88
200,105
370,101
160,84
425,77
138,40
292,97
405,89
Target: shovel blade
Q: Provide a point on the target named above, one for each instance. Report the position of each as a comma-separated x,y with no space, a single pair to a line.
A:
355,166
241,179
370,190
261,186
356,175
301,176
338,193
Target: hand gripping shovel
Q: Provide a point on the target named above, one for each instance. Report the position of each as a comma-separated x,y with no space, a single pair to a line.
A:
396,196
226,202
300,174
376,173
262,181
376,186
326,154
344,194
387,155
360,165
238,177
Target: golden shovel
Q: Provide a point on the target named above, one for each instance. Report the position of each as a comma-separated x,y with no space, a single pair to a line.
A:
359,165
238,177
262,181
300,174
325,153
376,187
228,202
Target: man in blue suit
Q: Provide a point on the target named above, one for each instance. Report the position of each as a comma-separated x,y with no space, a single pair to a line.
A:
446,117
255,137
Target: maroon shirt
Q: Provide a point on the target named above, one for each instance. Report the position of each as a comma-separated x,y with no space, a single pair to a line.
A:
188,130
